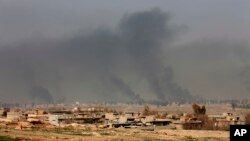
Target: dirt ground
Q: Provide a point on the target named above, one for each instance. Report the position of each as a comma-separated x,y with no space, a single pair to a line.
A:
121,135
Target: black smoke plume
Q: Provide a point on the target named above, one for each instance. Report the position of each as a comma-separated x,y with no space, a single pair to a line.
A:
135,48
120,85
41,94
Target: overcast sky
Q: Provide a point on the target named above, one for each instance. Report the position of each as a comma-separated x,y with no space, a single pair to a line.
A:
21,19
208,54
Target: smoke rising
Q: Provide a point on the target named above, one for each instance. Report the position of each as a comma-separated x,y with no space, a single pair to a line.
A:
41,94
120,85
135,48
214,68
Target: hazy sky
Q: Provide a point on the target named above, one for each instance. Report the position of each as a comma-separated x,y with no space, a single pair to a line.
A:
22,19
208,55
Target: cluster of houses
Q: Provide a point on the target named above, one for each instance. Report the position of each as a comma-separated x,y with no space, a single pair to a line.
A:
98,116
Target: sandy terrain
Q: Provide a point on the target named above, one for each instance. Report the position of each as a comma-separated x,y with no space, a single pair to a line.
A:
121,134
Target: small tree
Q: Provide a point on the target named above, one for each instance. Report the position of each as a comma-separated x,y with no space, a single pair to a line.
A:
147,111
203,110
199,110
233,105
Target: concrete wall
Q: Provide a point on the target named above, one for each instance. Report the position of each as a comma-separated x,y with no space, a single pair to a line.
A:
53,119
13,116
122,119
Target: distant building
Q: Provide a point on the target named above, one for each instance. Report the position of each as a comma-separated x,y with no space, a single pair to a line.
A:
14,116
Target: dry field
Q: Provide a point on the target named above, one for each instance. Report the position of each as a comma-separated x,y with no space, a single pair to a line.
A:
119,135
